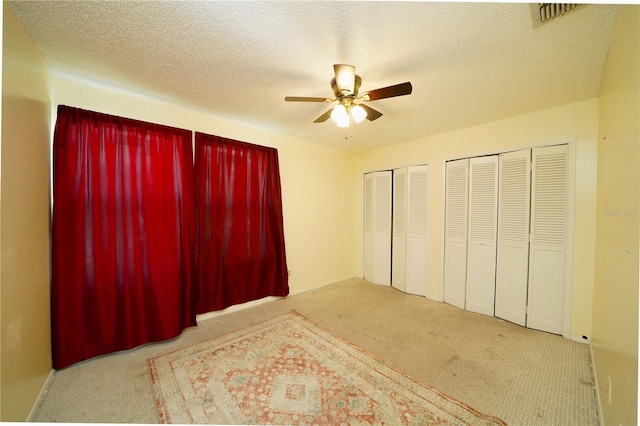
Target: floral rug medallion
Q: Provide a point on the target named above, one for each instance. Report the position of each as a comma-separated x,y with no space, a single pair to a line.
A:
288,370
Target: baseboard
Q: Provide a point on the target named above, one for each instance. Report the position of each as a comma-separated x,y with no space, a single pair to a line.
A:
579,340
595,383
234,308
251,304
320,286
41,395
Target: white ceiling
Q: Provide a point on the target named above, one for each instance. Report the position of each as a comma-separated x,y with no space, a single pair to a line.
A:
469,63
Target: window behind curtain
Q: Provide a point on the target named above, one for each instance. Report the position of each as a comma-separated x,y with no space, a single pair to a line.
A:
123,234
240,251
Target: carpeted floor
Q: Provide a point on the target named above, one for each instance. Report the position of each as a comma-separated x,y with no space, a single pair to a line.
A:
522,376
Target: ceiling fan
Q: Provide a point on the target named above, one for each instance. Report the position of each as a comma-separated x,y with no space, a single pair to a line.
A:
345,87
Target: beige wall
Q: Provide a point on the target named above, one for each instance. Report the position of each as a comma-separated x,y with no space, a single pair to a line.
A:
318,182
323,217
24,239
615,298
576,121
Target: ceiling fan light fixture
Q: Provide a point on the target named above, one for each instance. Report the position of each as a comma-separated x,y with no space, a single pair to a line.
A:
340,114
345,86
345,77
344,123
358,113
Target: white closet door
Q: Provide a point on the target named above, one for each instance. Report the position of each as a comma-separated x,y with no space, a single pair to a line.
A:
377,227
481,250
548,238
455,245
417,232
368,227
513,236
399,247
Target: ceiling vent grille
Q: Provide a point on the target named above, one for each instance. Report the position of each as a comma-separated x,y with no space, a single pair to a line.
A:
544,12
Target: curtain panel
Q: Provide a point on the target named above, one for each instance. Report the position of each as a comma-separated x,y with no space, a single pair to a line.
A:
122,236
240,250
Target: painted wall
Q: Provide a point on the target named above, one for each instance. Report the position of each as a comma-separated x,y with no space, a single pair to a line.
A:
24,224
578,121
318,182
615,296
323,217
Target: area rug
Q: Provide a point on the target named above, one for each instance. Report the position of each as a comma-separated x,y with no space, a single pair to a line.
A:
288,370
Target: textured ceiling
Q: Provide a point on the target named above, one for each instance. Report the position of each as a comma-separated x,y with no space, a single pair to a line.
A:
469,63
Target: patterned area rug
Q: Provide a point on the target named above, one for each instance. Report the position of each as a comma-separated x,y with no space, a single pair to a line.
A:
288,370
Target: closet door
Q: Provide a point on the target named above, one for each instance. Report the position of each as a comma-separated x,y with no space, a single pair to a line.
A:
368,227
512,263
399,247
377,238
481,250
455,244
417,241
548,238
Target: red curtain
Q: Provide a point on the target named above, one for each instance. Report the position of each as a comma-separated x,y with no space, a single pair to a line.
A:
123,234
240,253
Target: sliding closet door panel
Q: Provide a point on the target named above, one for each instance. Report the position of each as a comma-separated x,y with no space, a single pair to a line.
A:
513,236
368,227
481,251
455,246
399,247
417,232
548,238
382,229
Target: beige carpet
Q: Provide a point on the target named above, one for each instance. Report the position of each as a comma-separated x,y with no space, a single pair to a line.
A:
288,371
522,376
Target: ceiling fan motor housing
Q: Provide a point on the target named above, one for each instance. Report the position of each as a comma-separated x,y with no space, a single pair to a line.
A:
339,94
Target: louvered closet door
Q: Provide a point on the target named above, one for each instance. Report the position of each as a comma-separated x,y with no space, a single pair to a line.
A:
382,229
548,238
512,265
483,218
399,248
368,227
455,245
417,231
377,224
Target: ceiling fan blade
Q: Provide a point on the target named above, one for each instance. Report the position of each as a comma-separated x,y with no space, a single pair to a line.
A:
324,117
345,77
372,114
305,99
389,92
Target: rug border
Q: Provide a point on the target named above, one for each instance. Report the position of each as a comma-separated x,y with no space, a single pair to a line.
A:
153,373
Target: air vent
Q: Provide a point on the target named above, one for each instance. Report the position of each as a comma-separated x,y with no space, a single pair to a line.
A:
544,12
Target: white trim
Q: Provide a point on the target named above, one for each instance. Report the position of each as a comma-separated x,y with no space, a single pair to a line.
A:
363,207
443,207
579,339
390,169
253,303
322,285
43,392
234,308
562,141
568,248
597,387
